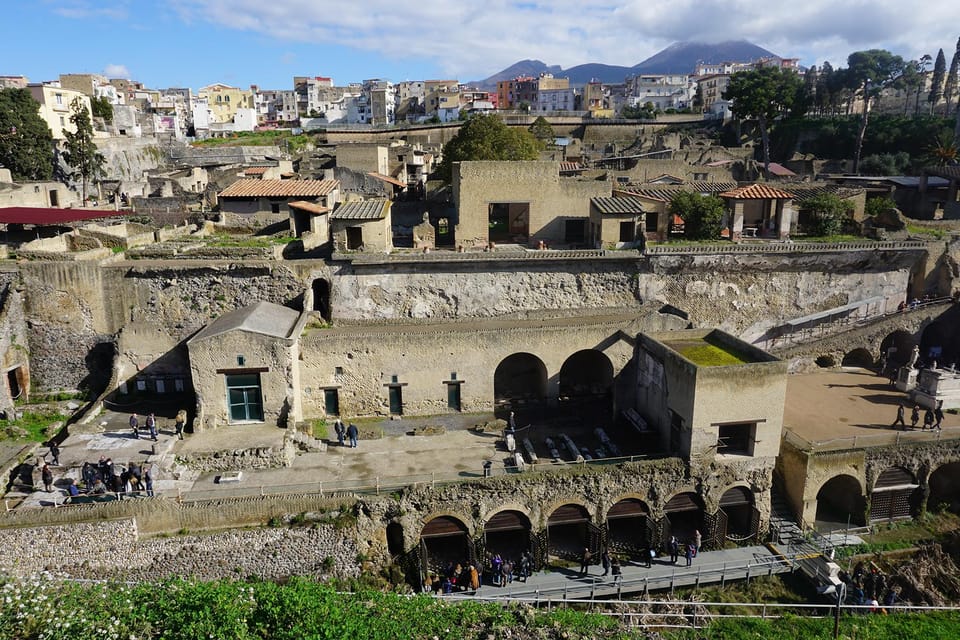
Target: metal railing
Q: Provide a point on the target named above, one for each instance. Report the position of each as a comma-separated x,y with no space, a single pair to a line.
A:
784,247
894,438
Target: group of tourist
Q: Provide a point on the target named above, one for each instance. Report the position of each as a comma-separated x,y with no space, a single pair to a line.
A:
497,571
106,476
932,418
150,424
346,433
871,588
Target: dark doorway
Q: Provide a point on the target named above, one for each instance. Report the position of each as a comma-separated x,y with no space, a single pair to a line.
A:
568,529
396,400
453,396
575,232
945,488
331,402
520,379
354,238
321,298
507,533
629,528
13,382
446,540
54,198
741,520
897,348
395,539
858,358
896,494
839,501
301,222
509,222
684,513
586,384
627,231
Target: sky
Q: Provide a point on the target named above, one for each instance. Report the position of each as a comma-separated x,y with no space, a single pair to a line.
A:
193,43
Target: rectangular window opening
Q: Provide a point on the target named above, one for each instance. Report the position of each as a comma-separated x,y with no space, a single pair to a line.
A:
736,439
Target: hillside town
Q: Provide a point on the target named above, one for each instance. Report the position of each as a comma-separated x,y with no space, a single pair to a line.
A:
526,340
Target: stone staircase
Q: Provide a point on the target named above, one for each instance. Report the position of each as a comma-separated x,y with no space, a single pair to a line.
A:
784,529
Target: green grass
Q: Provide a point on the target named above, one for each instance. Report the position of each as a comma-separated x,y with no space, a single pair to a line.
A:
919,230
706,353
34,423
259,139
260,242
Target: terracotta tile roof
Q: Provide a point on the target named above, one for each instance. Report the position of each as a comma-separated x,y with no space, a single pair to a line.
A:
280,188
618,205
45,215
667,179
255,171
570,167
312,207
387,179
757,191
778,169
362,210
666,192
948,172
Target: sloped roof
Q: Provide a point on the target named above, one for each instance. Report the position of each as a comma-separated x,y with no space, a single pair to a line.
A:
261,317
387,179
618,205
950,172
571,167
255,171
757,191
280,188
778,169
312,207
666,178
375,209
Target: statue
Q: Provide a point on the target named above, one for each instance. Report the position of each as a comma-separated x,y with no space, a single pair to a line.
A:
914,357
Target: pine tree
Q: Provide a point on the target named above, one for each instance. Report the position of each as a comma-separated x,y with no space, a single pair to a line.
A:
26,144
936,85
950,85
80,152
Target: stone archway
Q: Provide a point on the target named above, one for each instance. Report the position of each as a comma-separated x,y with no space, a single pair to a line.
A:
444,540
519,380
840,501
321,298
586,383
895,349
858,358
569,531
630,530
737,517
896,494
684,515
944,486
508,533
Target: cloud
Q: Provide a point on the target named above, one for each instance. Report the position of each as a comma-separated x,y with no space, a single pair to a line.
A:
116,71
470,40
85,9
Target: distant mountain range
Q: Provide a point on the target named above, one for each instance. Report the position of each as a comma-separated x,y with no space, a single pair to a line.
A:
680,57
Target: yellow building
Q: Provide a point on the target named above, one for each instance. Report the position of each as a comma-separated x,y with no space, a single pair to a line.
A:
224,101
55,106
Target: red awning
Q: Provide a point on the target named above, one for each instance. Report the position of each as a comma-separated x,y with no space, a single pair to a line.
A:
43,215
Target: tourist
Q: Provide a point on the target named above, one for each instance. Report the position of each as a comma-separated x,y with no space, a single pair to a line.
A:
928,419
152,426
697,541
585,561
605,562
179,423
135,425
72,490
688,554
98,487
496,567
526,564
47,476
339,429
507,573
474,578
648,554
674,548
55,453
352,434
901,411
938,415
915,416
148,481
615,569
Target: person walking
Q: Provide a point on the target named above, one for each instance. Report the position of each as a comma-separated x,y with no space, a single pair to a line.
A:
928,419
900,415
689,554
674,547
54,453
148,480
585,560
152,426
352,434
915,416
605,562
339,429
179,423
697,541
615,569
938,415
135,425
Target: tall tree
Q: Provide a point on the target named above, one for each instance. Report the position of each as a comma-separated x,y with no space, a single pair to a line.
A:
909,83
702,215
26,144
766,93
936,85
486,137
922,68
824,88
80,151
869,73
542,130
950,85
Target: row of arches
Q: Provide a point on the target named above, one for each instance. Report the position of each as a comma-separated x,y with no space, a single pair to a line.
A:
937,341
521,378
897,493
629,529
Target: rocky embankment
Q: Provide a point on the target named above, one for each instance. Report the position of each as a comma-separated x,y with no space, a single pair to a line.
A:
114,550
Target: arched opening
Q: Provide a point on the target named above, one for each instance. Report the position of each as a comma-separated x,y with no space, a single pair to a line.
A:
737,518
684,516
858,358
895,349
569,532
520,379
629,528
395,538
840,501
321,298
945,488
508,533
446,540
935,344
896,494
826,362
586,383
